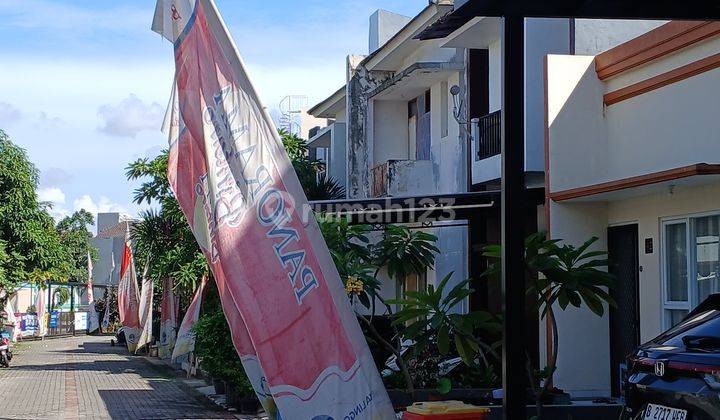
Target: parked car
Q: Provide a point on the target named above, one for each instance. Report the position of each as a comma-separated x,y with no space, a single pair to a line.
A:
676,376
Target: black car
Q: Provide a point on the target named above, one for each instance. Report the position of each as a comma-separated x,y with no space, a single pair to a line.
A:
676,376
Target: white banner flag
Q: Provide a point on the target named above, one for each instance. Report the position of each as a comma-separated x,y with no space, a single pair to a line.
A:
146,310
106,315
185,342
168,320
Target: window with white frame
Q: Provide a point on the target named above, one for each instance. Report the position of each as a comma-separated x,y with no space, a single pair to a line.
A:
691,264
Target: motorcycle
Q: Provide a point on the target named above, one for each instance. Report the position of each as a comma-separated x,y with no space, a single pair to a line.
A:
5,350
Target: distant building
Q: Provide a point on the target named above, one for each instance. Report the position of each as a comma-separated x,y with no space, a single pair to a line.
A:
109,253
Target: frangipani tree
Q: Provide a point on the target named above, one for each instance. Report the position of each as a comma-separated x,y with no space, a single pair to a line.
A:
563,275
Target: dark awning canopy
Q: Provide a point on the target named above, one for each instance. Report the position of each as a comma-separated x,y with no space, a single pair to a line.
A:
419,209
592,9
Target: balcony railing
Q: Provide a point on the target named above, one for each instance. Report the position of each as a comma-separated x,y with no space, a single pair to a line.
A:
488,134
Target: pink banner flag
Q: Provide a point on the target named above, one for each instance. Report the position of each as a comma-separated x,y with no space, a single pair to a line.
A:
93,320
185,342
279,288
168,320
128,296
12,319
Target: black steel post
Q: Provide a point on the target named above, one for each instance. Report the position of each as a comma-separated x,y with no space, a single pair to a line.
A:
514,205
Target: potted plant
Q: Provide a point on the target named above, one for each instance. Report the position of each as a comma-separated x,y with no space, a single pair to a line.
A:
213,347
443,336
240,393
563,275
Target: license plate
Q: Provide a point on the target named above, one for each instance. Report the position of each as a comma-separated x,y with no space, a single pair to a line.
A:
660,412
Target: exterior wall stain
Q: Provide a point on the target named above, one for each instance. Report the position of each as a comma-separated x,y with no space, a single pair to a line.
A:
360,83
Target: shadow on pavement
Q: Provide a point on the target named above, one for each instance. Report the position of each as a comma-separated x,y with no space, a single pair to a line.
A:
162,402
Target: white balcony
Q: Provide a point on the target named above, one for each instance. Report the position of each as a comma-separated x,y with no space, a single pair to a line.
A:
402,178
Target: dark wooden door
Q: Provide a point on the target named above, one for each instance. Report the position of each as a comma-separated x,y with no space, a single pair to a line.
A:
625,319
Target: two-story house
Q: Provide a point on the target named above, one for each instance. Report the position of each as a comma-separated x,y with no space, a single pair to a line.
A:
632,158
421,117
393,133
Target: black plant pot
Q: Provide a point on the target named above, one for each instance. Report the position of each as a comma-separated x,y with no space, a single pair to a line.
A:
557,398
248,405
231,394
219,385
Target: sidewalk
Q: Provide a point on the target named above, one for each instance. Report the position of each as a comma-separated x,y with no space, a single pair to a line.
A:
86,378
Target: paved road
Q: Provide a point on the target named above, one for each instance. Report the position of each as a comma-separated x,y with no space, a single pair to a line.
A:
86,378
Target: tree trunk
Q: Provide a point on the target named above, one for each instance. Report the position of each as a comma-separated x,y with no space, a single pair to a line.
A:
396,351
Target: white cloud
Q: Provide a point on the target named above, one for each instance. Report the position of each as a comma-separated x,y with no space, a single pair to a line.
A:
103,205
130,117
56,198
45,122
153,152
58,210
51,195
53,177
9,114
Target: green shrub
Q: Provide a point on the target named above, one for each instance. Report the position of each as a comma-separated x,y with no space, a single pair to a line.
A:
213,344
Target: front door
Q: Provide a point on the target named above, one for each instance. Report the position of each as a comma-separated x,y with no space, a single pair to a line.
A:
625,319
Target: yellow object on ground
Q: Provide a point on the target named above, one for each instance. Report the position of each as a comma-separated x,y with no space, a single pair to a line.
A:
445,407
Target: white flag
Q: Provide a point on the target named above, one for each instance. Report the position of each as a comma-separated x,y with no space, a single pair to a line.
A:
145,310
106,316
168,320
185,342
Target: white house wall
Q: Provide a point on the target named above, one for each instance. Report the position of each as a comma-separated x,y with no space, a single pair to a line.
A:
648,212
448,153
495,75
453,258
338,153
542,37
489,169
670,62
674,126
648,133
577,149
410,178
341,116
583,367
389,130
593,36
428,52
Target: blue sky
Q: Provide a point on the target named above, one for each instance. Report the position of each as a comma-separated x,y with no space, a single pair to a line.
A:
84,83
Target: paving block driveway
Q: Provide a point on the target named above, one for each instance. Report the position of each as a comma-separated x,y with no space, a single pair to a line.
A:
86,378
